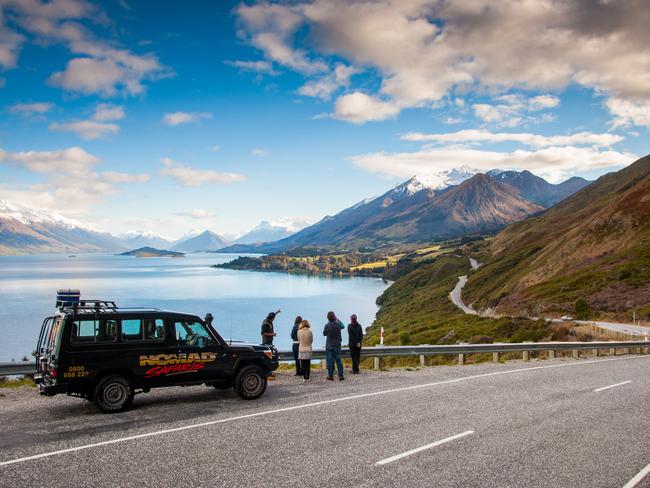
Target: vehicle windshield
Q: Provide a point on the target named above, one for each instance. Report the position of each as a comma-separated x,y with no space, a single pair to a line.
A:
191,333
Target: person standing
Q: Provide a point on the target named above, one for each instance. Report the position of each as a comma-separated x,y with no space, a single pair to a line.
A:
296,343
305,341
332,331
355,338
268,331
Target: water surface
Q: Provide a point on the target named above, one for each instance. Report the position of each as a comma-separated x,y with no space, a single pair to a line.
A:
239,300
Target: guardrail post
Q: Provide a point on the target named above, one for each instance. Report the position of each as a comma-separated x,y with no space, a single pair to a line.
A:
525,355
551,354
596,352
612,351
461,358
576,354
495,357
626,350
422,361
376,364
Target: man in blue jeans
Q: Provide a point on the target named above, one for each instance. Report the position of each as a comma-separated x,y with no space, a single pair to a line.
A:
333,345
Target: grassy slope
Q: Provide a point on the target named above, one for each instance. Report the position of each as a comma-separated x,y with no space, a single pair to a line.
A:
594,245
416,310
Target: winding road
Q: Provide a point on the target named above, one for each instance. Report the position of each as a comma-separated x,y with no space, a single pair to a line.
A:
630,329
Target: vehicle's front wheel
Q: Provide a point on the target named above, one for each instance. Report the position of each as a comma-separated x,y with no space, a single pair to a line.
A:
250,382
113,393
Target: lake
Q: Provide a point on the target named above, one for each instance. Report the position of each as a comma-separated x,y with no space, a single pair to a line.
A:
239,300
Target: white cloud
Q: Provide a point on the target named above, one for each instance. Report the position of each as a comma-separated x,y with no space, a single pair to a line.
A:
72,185
116,177
86,129
260,152
95,128
197,213
326,85
98,68
178,118
543,102
533,140
628,112
215,148
104,112
261,67
553,163
424,50
188,176
73,160
269,28
31,108
512,110
358,107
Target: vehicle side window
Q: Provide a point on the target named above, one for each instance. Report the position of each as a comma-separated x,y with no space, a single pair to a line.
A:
143,330
190,333
85,331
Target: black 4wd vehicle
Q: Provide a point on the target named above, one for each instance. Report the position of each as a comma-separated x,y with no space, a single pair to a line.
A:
95,350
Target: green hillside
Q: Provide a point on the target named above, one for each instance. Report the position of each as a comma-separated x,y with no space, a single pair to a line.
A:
593,247
416,309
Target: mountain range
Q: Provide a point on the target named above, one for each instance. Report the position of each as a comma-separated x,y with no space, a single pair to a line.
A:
593,246
429,208
424,208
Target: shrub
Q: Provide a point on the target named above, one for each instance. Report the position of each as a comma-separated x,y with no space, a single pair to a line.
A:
581,309
404,338
481,339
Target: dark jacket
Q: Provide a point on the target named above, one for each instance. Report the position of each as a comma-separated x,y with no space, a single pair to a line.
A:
267,328
294,332
355,334
333,333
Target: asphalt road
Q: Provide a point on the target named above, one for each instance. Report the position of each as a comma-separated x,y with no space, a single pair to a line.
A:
495,425
455,296
630,329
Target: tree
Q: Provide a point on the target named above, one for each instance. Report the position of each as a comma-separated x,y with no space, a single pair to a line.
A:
581,309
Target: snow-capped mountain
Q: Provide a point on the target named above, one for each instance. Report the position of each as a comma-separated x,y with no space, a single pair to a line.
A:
268,231
134,239
26,230
28,216
432,181
425,208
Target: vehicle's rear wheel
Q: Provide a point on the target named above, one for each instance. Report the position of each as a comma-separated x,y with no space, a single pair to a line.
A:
113,393
250,382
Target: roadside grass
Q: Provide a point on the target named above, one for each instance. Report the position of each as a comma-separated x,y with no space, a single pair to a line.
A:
7,382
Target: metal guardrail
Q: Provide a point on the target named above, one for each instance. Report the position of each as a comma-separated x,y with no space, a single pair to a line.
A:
394,351
17,367
27,367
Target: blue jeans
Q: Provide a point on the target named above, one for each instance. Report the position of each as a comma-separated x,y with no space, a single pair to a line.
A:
334,355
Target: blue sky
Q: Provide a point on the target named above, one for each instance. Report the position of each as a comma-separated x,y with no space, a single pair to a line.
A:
173,116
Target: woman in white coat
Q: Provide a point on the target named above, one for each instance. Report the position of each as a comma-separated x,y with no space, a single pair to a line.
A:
305,340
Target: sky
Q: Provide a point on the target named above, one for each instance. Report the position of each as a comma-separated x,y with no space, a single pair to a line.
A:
169,117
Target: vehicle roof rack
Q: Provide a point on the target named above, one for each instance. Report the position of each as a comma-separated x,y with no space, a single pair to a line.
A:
90,306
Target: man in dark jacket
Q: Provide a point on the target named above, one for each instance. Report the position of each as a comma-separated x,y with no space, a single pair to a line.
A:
333,345
296,343
355,337
268,332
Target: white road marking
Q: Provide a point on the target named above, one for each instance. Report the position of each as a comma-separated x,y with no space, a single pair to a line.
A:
423,448
638,478
612,386
308,405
